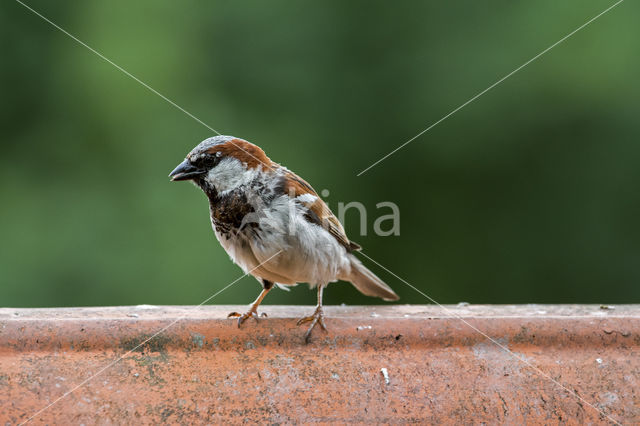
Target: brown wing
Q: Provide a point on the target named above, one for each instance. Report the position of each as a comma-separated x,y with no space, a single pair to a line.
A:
317,211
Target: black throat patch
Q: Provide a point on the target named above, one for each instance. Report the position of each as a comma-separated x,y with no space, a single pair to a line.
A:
228,211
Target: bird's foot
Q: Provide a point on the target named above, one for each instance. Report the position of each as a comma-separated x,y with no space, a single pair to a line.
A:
251,313
316,318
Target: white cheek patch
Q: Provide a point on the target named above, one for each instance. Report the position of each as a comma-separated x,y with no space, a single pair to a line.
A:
230,174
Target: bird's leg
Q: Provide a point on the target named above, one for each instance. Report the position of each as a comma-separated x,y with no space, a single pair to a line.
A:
253,308
316,318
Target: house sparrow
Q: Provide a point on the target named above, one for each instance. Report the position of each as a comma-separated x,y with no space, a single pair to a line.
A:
273,224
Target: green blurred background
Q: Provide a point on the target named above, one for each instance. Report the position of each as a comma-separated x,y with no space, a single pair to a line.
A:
529,194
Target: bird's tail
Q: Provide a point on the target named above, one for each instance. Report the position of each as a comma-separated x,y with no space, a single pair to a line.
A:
367,282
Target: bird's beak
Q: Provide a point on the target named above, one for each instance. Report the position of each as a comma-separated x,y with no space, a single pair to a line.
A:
185,171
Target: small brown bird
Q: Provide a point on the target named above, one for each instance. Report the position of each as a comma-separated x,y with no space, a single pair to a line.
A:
273,224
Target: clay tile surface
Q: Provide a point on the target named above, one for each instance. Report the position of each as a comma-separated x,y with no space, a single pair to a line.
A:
383,364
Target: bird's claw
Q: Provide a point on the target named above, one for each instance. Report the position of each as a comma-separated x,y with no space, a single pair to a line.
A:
251,313
316,318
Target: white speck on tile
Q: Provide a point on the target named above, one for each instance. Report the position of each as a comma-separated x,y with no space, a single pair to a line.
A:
364,327
599,360
385,374
374,315
133,315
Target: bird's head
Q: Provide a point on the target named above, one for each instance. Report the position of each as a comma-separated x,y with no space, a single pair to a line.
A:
222,163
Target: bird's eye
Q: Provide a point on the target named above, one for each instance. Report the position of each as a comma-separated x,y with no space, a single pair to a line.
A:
208,161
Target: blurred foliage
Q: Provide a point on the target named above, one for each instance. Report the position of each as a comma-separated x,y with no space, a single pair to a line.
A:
529,194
